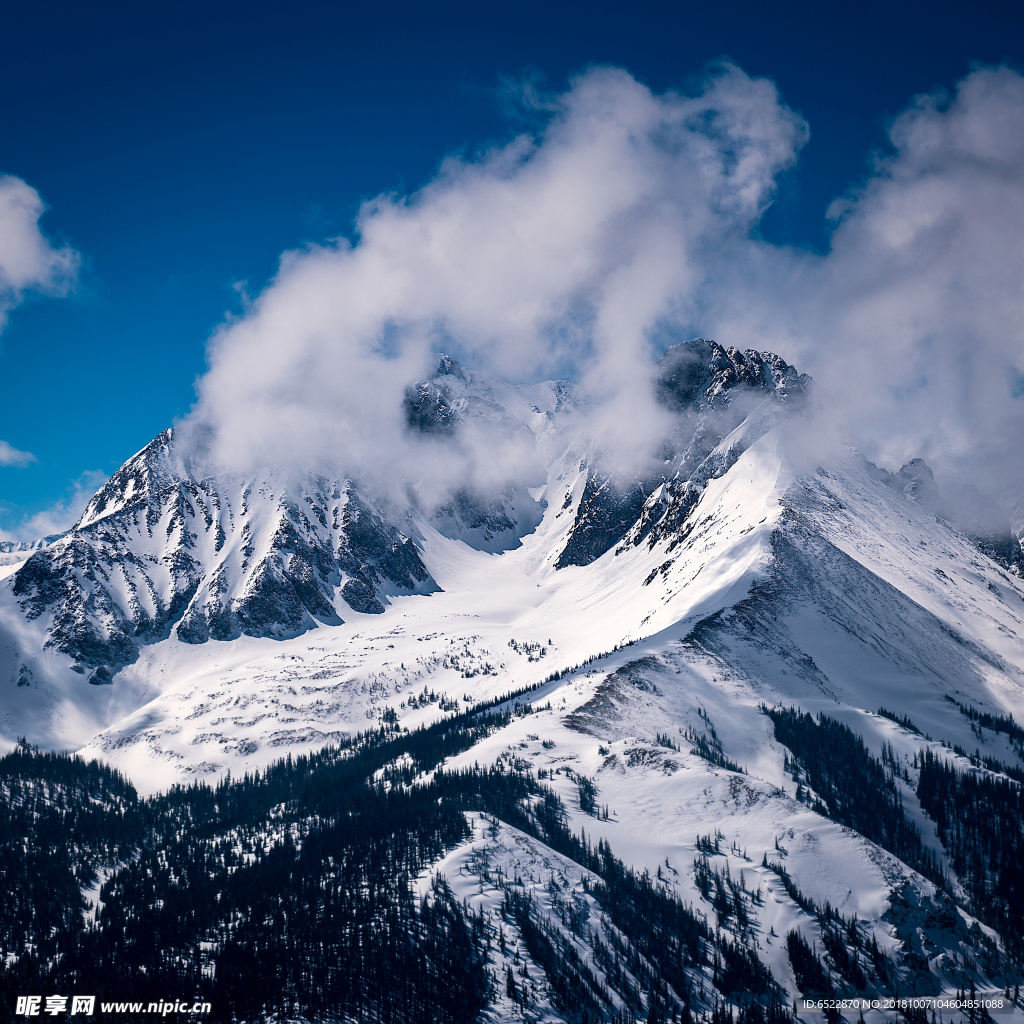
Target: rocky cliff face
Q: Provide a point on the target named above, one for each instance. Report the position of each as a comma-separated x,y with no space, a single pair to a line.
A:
163,550
714,390
159,550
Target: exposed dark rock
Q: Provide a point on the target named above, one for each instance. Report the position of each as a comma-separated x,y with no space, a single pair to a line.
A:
475,513
603,517
428,409
361,597
428,405
702,373
158,550
1003,548
916,480
704,381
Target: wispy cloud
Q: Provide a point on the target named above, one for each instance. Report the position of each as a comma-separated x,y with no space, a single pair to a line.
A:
62,515
10,456
30,262
564,252
915,318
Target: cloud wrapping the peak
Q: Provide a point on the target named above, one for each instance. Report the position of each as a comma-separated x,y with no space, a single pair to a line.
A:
558,254
914,319
628,219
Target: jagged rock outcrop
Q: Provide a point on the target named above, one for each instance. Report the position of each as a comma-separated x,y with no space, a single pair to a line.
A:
702,374
455,400
714,390
159,549
916,480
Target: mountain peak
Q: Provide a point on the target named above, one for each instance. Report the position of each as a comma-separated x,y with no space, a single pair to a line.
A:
146,473
449,367
703,373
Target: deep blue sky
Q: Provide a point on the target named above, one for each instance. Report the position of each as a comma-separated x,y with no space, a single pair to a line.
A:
181,147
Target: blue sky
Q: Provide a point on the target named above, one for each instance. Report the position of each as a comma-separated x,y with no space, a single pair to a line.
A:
181,148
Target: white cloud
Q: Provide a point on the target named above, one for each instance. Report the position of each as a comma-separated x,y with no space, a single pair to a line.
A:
915,318
10,456
28,260
628,219
557,254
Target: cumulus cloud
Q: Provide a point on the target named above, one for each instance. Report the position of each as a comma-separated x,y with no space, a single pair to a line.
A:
28,260
563,253
929,260
628,219
12,457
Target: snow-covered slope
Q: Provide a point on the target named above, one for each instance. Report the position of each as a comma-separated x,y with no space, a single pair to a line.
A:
239,619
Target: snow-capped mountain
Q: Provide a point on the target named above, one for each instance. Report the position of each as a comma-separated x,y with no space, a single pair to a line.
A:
164,551
650,623
157,549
